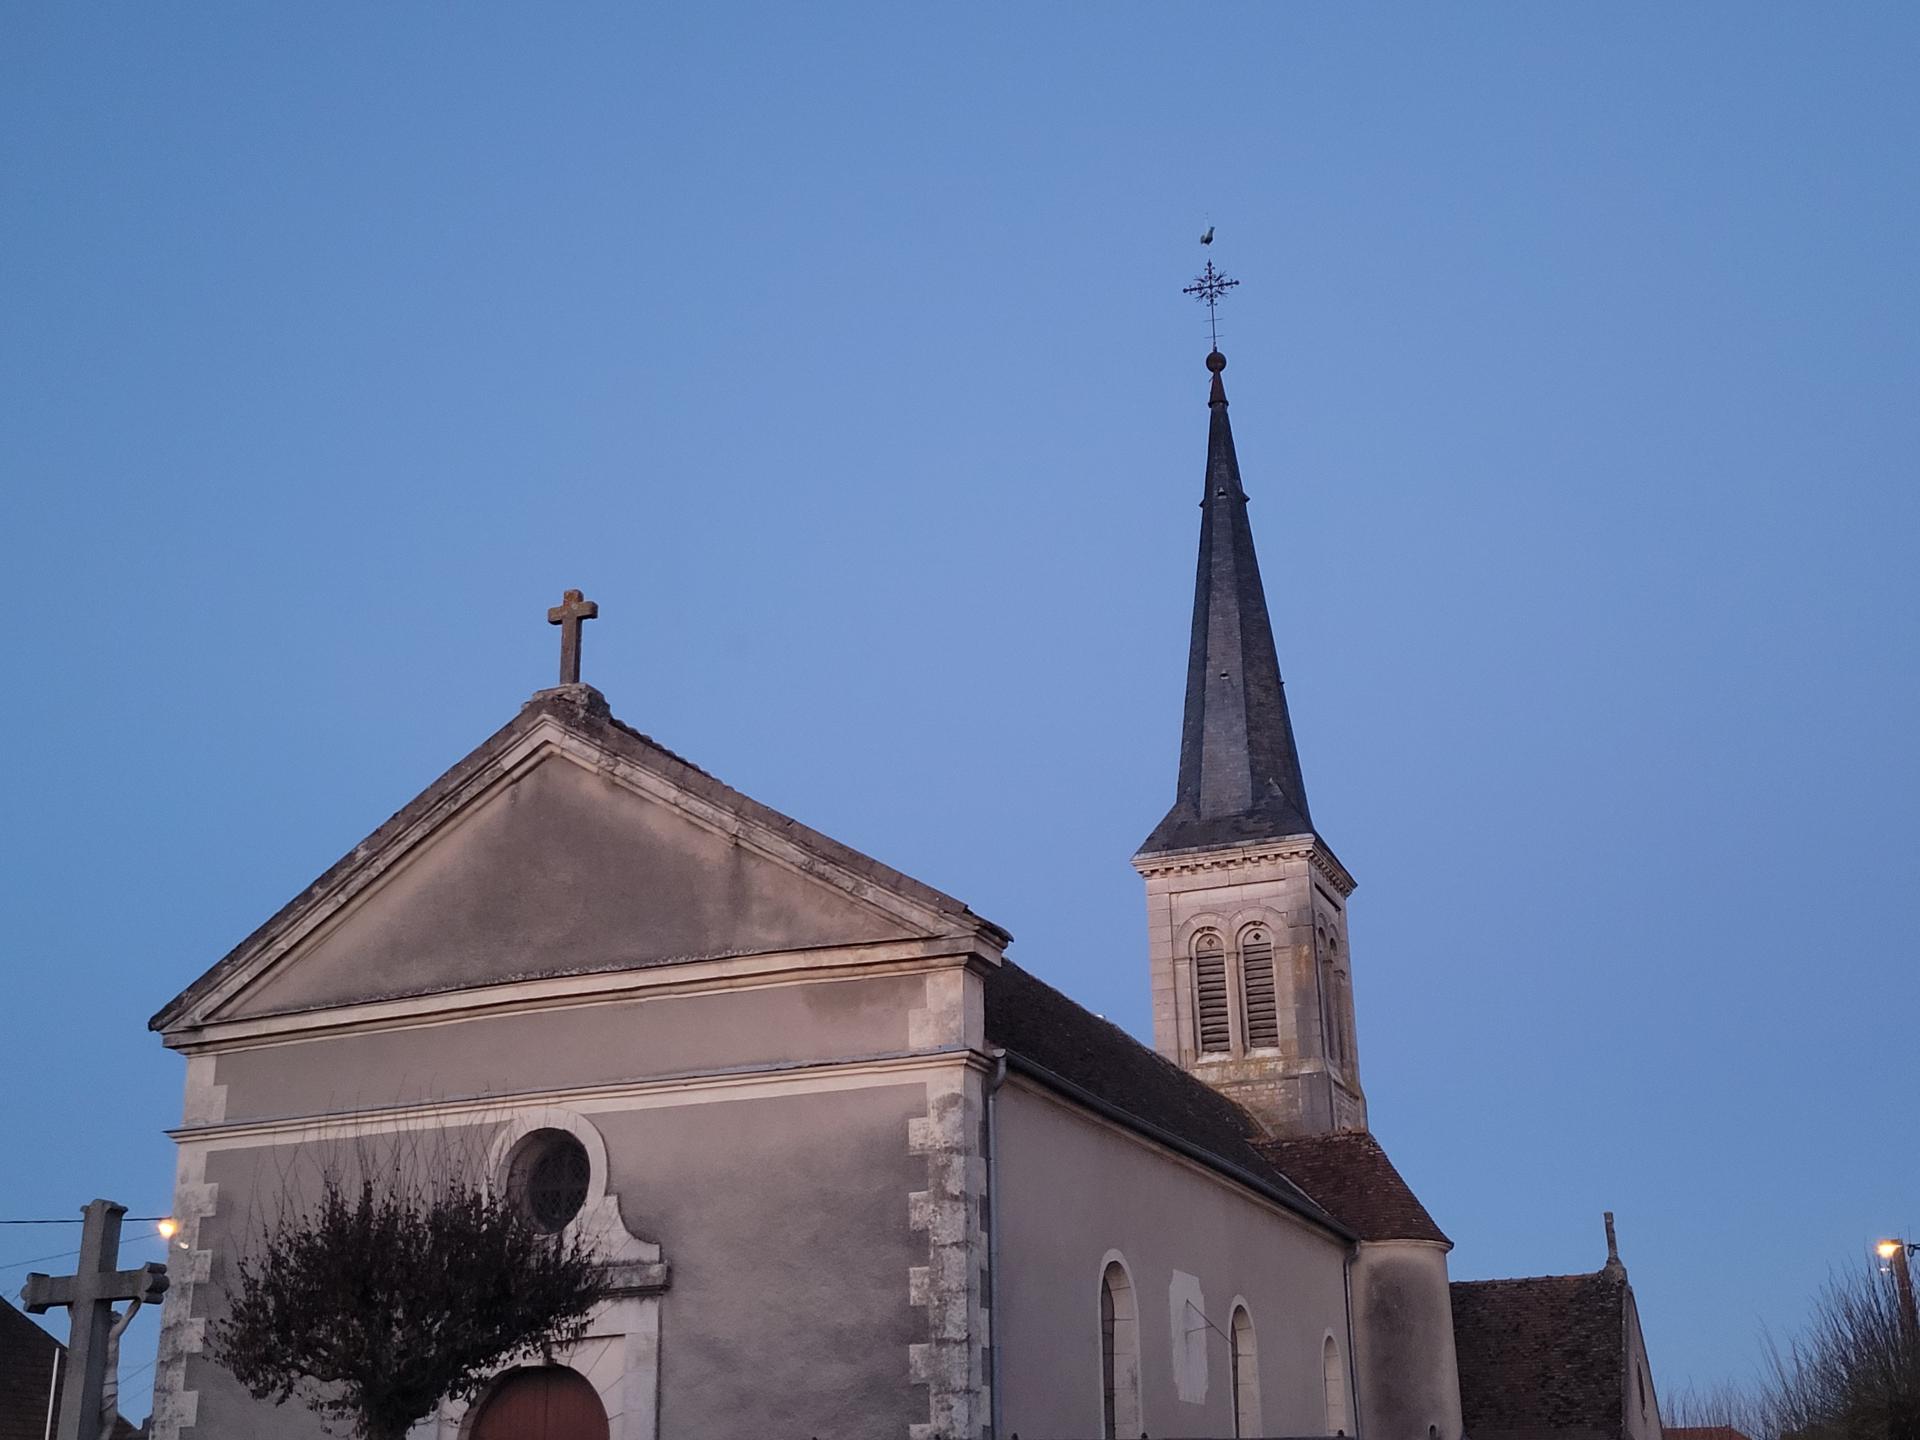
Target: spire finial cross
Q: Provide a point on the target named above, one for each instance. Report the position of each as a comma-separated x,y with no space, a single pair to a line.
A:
569,614
1209,286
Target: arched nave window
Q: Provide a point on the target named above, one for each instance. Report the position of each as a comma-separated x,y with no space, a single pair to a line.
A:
1119,1355
1210,1007
1339,1422
1256,988
1246,1374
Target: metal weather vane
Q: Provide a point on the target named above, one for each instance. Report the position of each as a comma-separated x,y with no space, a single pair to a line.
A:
1209,286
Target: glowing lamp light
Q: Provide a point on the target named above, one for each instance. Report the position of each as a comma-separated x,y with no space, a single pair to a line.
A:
1887,1249
168,1229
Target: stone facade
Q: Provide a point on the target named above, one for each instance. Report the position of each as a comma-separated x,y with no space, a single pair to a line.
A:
771,1050
1292,893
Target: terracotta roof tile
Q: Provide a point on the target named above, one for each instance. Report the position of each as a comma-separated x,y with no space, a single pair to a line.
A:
1542,1355
1352,1178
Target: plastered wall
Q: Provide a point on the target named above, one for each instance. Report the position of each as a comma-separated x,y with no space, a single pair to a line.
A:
1071,1189
1403,1341
575,1045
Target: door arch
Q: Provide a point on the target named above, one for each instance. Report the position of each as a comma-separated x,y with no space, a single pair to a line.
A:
544,1402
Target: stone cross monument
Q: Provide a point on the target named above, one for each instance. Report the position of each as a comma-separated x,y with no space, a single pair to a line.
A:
89,1294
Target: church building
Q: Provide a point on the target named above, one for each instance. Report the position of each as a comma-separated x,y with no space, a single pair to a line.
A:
855,1172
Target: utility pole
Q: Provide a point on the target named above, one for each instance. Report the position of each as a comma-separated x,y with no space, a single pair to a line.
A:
1895,1253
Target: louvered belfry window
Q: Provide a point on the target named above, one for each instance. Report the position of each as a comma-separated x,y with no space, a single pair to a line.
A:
1256,980
1210,994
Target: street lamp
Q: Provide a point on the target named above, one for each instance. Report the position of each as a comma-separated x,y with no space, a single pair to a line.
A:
1895,1253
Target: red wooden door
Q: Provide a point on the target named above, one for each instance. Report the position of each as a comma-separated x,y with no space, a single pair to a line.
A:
550,1403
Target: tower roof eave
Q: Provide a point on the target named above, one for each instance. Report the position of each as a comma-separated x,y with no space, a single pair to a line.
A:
1177,845
1184,828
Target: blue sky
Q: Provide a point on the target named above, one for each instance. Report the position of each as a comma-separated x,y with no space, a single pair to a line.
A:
840,355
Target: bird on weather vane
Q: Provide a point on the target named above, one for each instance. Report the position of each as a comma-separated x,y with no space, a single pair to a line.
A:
1209,286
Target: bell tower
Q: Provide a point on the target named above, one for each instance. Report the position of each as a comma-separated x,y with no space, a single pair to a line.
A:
1246,904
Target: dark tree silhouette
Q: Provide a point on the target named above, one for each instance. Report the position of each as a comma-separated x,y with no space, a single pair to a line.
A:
1854,1372
1851,1373
381,1299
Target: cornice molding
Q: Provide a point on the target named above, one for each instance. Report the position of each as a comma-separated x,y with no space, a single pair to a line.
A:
677,1088
1311,848
666,978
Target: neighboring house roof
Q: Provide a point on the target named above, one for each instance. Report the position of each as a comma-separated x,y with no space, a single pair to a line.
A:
1542,1356
27,1355
1091,1059
1352,1178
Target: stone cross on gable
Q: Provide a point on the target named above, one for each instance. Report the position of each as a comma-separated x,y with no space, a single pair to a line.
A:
568,615
89,1294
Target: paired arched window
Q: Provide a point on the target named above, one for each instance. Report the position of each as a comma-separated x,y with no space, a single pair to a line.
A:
1119,1355
1220,979
1334,1375
1246,1373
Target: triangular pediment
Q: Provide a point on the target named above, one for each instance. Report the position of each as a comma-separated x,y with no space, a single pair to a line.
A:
566,845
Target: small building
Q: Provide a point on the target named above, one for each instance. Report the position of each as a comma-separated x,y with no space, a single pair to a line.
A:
1557,1357
32,1378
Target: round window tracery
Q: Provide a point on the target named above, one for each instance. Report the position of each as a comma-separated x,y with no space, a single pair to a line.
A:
547,1179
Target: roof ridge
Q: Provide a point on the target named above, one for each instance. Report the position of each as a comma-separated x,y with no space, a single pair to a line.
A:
1605,1272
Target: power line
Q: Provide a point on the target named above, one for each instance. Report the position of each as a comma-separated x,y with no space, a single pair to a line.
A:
80,1220
67,1254
21,1264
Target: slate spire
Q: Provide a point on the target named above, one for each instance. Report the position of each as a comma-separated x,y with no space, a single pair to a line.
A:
1239,771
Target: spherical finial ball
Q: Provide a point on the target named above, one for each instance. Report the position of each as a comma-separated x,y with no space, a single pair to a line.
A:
1216,362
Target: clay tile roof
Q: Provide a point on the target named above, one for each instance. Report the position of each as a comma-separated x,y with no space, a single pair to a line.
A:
1065,1042
1352,1178
26,1369
1542,1355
